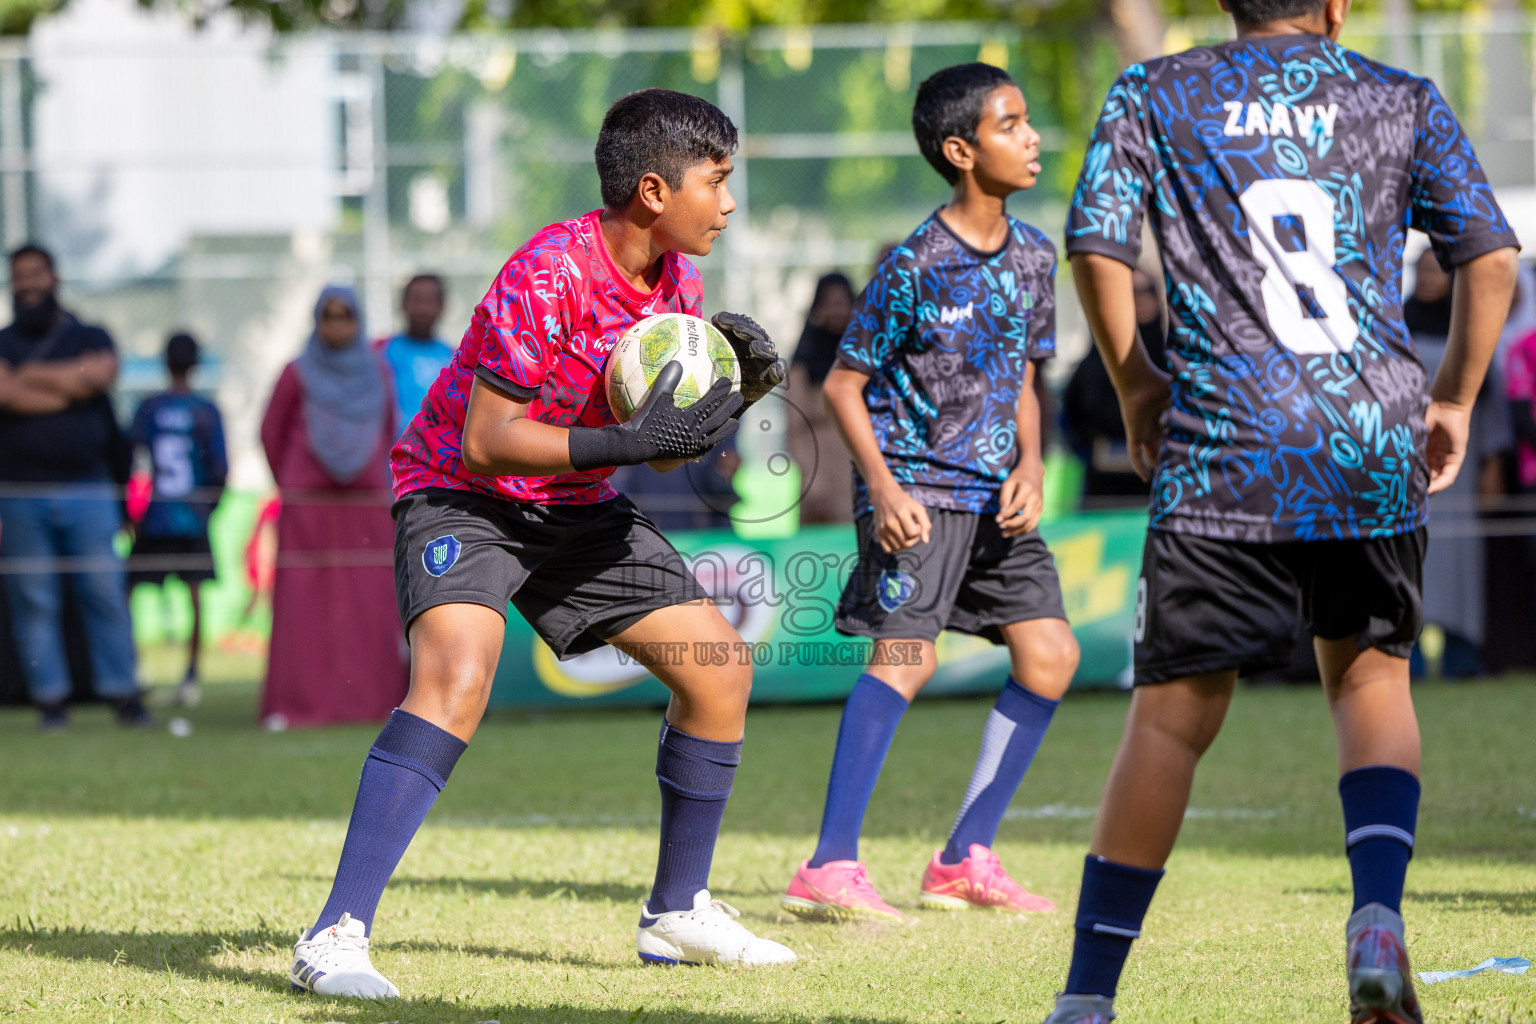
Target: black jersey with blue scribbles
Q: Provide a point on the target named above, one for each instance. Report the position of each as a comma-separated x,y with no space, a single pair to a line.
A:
1282,175
945,332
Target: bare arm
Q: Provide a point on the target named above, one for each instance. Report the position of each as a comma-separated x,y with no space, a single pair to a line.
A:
500,439
1022,497
900,520
17,396
1109,302
843,393
1480,297
72,379
1030,458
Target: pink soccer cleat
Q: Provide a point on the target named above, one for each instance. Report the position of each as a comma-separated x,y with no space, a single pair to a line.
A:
978,881
836,891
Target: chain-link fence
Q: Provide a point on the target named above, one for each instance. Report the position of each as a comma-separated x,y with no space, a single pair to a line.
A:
215,180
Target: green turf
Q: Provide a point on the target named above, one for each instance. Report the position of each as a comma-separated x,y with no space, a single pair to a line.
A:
148,878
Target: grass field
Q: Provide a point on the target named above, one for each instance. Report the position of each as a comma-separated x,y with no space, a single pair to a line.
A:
148,878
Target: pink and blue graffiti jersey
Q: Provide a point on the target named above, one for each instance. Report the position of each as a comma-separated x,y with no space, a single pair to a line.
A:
541,334
944,332
1281,175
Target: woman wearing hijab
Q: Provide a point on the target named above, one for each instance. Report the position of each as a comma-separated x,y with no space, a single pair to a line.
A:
337,648
814,444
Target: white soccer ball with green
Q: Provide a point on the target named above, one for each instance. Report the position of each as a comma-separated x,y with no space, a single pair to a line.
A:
639,356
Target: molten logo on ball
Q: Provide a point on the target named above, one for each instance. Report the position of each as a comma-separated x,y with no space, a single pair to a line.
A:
643,350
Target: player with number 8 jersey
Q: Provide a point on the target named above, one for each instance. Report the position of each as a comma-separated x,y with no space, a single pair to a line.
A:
1281,175
1293,441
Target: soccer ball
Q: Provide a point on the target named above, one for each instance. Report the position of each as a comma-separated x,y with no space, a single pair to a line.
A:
639,356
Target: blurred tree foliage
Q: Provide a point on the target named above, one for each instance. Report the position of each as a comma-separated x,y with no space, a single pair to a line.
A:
16,16
726,15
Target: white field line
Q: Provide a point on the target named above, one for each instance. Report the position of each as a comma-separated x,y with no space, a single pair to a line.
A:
1073,812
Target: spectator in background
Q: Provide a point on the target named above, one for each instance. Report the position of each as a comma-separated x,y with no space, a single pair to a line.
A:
1455,563
61,464
337,646
1508,641
1090,412
1520,388
184,436
814,444
416,356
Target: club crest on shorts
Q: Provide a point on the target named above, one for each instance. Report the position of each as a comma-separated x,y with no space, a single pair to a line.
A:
440,554
896,588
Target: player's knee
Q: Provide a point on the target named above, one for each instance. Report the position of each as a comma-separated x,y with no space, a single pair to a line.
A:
450,679
1195,733
1048,661
905,679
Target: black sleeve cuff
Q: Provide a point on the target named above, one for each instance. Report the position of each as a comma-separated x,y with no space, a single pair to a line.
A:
856,365
1101,246
1480,246
521,392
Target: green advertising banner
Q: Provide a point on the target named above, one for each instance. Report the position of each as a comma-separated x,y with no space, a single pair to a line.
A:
780,594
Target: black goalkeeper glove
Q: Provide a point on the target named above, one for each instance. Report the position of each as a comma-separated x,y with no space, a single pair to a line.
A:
761,368
659,429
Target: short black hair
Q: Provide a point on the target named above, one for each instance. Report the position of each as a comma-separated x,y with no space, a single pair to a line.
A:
181,353
419,279
1259,12
949,103
33,249
658,131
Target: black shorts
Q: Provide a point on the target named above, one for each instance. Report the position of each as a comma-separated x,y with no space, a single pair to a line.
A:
1207,605
578,573
152,559
968,577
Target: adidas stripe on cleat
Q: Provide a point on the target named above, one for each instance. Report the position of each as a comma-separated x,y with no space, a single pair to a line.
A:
334,962
707,934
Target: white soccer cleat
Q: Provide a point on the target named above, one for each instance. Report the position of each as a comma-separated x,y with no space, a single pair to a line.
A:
335,963
707,934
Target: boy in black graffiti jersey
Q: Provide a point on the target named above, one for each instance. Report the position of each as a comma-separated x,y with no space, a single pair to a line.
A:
934,393
1292,451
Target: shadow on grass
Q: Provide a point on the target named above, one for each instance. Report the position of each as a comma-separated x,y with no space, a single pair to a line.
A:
192,955
1516,904
526,888
1519,904
442,1011
552,891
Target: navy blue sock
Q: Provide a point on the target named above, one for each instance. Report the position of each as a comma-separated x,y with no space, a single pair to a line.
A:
1114,900
1381,810
407,767
695,777
1013,733
869,724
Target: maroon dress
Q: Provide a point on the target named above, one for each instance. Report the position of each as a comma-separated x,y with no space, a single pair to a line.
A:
337,653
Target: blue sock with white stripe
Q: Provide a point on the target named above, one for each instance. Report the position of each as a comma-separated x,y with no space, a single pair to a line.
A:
1381,810
1114,900
1013,733
407,766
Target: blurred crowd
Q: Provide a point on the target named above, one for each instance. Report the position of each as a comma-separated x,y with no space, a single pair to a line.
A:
74,481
